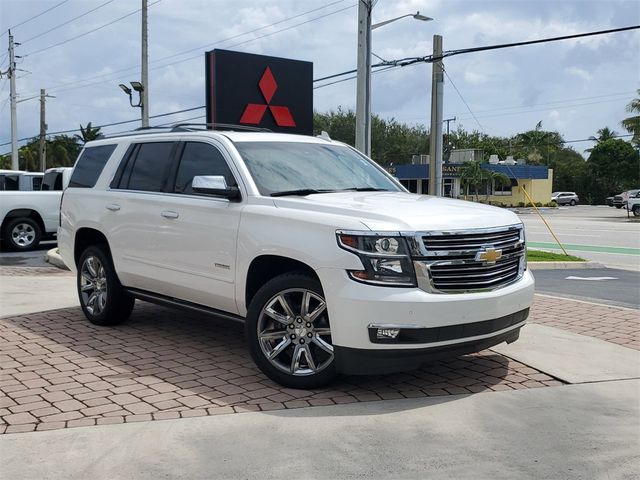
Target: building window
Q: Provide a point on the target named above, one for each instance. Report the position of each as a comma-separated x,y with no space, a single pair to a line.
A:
505,190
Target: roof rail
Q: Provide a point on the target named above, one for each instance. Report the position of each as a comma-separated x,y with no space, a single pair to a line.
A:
217,126
185,127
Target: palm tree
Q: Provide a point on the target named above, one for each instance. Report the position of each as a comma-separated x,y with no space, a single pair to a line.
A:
88,133
632,124
472,174
496,179
535,139
603,134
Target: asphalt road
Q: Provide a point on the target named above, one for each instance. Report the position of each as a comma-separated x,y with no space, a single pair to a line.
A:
597,233
27,259
606,285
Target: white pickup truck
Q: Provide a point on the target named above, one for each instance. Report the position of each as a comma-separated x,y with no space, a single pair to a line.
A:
633,202
28,216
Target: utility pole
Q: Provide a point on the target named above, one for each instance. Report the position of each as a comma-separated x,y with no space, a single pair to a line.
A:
12,99
437,92
363,79
448,120
43,129
145,67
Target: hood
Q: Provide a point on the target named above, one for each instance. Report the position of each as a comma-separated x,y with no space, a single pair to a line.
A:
400,211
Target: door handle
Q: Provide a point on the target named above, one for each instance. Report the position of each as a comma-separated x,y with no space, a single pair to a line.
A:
169,214
114,207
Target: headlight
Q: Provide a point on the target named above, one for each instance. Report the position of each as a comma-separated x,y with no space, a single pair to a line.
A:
386,259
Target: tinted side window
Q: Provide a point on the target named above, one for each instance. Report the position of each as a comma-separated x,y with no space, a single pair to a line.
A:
201,159
89,166
11,182
52,181
37,183
150,167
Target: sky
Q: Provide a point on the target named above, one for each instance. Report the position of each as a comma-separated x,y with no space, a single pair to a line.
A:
574,87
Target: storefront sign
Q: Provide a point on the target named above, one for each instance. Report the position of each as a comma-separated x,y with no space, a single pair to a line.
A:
261,91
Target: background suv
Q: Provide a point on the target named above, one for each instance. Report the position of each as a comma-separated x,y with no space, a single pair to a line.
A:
565,198
330,263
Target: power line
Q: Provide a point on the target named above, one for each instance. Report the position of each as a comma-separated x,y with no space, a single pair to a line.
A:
67,22
463,100
108,77
87,32
35,16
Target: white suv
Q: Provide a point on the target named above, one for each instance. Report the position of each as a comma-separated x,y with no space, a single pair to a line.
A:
333,266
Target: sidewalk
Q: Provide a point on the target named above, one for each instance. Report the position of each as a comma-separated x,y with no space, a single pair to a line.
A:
578,431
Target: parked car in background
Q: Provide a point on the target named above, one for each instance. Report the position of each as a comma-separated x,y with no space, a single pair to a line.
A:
609,201
17,180
620,200
633,203
26,217
565,198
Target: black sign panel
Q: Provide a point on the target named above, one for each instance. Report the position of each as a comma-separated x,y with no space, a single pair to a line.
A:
260,91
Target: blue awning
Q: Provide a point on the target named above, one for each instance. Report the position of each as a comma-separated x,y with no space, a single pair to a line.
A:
536,172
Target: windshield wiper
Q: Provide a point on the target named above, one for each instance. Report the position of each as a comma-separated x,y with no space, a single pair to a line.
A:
301,192
366,189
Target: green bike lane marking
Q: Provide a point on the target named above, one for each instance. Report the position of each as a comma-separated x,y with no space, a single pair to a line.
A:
586,248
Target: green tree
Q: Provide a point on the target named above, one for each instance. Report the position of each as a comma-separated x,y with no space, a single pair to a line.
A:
88,133
537,145
569,171
602,134
632,124
472,175
612,167
494,179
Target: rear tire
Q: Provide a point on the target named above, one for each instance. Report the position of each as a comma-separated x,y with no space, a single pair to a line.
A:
288,332
22,234
102,298
618,206
572,203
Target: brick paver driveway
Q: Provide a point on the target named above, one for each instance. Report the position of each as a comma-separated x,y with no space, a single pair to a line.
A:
58,370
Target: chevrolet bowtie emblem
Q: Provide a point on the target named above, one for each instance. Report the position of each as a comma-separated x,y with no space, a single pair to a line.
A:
488,255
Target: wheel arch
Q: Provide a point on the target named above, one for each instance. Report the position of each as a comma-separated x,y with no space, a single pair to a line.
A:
86,237
265,267
20,213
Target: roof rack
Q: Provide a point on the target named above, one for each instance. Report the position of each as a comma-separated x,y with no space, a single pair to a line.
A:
216,126
186,127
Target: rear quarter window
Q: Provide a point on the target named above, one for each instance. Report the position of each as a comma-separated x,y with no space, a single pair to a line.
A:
89,166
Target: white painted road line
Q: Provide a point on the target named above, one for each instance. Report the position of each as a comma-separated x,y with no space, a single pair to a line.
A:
591,279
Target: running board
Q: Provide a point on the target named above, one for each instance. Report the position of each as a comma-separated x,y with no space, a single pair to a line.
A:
182,304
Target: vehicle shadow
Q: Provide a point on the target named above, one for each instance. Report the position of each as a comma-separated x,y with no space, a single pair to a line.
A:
174,361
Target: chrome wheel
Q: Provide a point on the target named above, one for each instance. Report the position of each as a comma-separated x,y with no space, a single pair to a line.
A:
23,234
294,332
93,285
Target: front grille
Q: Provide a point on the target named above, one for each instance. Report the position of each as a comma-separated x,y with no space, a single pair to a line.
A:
451,262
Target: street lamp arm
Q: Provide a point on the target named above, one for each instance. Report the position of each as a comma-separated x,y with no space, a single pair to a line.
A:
416,15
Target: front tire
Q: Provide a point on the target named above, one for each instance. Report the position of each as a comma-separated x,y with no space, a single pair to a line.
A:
102,298
636,210
288,332
22,234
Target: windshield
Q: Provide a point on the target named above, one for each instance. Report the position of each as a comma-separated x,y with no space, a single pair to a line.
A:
279,167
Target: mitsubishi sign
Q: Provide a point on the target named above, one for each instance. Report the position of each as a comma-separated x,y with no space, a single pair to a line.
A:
259,91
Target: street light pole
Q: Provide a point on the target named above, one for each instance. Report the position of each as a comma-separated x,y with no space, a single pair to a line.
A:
363,79
363,76
145,67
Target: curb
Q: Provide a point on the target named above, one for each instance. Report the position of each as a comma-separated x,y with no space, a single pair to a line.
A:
54,258
563,265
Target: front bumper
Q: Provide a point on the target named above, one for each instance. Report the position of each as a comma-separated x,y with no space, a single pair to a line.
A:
357,361
353,307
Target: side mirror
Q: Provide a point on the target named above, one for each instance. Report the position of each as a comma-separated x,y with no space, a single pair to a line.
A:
214,185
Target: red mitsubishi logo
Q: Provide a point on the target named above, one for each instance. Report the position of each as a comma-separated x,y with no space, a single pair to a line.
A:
254,112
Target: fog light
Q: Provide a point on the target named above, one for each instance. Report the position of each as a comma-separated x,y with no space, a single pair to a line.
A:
387,333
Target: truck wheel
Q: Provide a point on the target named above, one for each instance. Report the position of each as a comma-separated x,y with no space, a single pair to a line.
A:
618,206
288,332
102,298
636,210
22,234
